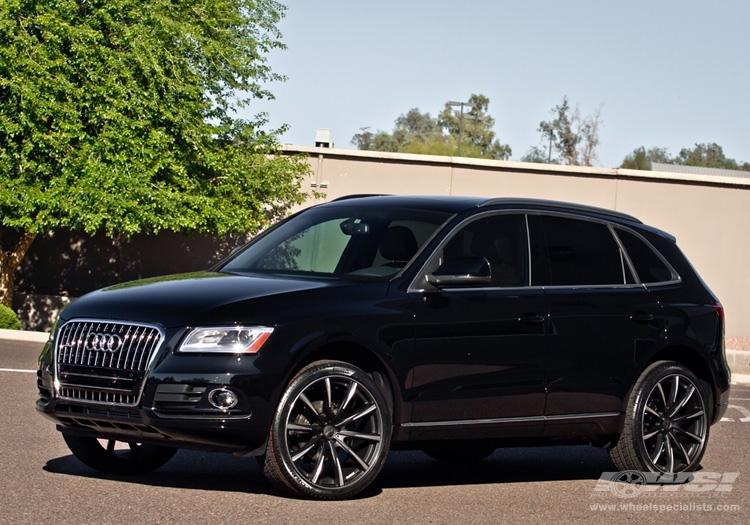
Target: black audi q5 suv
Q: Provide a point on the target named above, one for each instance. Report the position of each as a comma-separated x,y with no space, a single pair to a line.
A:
452,325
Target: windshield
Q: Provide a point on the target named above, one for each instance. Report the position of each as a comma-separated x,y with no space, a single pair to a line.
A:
340,241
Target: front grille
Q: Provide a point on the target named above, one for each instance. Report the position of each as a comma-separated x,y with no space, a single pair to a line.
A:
102,362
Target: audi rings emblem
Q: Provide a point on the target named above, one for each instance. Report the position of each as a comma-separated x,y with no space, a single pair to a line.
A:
96,342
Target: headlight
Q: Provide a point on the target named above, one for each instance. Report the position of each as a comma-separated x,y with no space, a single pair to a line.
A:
226,339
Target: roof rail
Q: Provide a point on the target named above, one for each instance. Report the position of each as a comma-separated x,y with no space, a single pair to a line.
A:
560,204
360,196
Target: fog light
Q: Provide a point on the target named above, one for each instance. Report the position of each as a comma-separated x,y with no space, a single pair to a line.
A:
223,399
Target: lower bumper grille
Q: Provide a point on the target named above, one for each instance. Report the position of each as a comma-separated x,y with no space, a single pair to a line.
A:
98,396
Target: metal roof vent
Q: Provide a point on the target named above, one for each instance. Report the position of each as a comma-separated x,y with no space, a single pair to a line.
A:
323,138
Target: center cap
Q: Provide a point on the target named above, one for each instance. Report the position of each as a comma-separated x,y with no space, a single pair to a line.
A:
329,431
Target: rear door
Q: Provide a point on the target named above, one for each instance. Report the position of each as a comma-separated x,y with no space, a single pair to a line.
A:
601,321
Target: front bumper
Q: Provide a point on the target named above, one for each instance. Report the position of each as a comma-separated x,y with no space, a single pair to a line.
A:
174,407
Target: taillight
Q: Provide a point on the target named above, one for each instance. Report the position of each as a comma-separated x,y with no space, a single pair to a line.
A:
720,312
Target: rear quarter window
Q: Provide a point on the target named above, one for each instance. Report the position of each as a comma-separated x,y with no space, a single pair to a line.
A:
649,266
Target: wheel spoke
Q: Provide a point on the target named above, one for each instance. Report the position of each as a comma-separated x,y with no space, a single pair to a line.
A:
319,464
310,445
670,455
662,395
657,450
300,428
694,437
652,412
650,435
685,398
329,401
111,446
688,417
336,464
349,396
364,466
680,448
306,402
359,435
358,415
673,393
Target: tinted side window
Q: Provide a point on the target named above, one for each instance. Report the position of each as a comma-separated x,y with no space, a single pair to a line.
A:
502,240
582,253
648,265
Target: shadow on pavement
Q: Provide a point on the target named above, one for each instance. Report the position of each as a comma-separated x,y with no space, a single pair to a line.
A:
403,469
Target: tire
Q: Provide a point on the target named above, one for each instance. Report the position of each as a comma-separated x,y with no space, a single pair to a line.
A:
331,432
666,423
135,458
465,454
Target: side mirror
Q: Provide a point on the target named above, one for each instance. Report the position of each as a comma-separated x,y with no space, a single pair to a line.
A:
462,271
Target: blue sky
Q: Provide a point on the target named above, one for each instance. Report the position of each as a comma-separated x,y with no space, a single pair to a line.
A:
665,73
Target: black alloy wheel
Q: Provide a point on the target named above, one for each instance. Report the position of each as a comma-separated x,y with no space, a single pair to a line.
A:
331,433
667,422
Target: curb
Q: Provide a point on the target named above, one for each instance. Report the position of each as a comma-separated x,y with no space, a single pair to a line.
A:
24,335
738,360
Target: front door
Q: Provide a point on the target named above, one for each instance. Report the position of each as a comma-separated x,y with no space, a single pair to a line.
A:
478,362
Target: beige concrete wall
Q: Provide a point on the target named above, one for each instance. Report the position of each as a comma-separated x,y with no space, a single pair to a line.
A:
707,214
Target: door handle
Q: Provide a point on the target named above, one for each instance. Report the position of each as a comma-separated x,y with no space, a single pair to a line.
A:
531,319
642,317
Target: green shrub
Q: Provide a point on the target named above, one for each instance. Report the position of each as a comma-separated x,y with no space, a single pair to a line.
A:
8,318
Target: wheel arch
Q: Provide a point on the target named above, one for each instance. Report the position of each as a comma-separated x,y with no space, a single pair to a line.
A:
685,356
363,358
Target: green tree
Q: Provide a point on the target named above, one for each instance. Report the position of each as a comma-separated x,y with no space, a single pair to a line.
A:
539,155
641,159
707,155
364,139
473,129
416,132
118,116
572,137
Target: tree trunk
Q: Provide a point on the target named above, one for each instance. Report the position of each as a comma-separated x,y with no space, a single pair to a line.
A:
9,262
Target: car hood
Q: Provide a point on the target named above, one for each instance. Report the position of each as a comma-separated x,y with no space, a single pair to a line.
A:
184,299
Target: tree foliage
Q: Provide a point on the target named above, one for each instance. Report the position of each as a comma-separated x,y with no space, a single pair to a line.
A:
706,155
641,159
8,319
572,137
416,132
118,116
709,156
